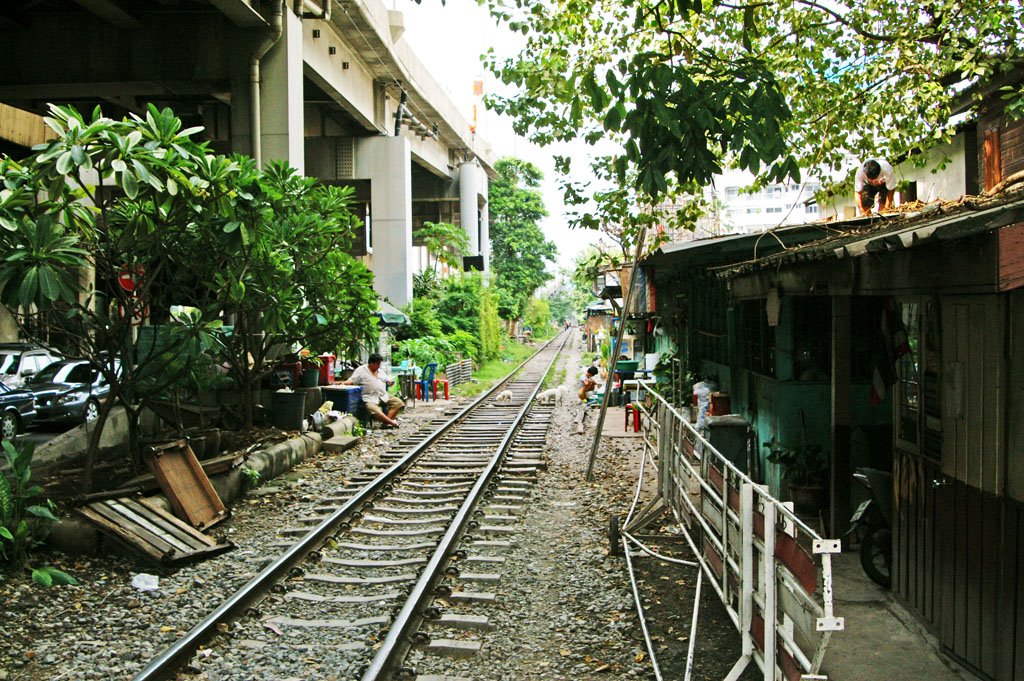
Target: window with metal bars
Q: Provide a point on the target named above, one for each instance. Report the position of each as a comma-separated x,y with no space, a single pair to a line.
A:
757,338
812,338
710,326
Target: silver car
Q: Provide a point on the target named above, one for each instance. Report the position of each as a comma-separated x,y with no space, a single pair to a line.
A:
18,361
68,391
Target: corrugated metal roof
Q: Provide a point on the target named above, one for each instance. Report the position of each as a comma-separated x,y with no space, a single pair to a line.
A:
732,247
855,238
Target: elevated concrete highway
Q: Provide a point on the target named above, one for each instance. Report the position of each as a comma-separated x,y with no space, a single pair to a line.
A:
329,86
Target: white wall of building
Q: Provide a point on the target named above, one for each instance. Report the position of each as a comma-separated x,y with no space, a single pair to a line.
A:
741,211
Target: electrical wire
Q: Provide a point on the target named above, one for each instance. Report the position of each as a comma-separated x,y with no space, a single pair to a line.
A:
651,552
380,60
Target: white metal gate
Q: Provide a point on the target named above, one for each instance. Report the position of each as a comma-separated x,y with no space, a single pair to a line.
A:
772,572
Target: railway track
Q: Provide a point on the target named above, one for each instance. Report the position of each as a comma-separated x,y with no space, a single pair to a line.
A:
405,555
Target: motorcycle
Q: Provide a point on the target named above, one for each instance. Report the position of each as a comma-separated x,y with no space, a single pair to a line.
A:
873,522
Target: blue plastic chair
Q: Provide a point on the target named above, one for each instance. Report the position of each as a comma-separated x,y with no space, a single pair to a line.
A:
427,380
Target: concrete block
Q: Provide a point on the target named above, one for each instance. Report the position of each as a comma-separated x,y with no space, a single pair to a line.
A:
342,426
229,486
74,536
340,444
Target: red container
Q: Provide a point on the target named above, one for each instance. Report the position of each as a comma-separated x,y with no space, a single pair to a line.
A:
720,404
294,369
327,369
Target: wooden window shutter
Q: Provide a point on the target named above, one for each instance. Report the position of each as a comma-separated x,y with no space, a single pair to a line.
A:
991,159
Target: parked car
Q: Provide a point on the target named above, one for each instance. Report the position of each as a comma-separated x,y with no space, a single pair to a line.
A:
18,361
17,410
68,391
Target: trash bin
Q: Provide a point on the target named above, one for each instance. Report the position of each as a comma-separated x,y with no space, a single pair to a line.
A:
327,369
344,398
728,434
287,409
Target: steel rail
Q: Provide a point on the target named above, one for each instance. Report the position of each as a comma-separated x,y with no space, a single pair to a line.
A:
395,645
164,665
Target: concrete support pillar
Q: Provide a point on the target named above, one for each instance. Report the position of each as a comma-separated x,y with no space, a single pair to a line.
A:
469,190
281,98
485,234
387,163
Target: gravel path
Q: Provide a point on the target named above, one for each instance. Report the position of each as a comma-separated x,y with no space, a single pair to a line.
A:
564,607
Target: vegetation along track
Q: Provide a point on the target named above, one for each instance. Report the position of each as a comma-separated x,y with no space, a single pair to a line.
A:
354,591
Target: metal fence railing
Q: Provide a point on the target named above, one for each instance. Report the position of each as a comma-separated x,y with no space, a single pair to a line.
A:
459,372
772,572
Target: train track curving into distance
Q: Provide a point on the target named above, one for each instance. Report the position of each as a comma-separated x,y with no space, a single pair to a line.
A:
356,591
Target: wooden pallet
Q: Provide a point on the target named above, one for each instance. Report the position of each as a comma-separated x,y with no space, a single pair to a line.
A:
148,528
185,484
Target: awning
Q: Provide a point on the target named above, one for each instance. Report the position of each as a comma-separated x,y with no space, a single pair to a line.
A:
390,315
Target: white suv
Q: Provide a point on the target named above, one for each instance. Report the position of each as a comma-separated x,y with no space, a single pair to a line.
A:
18,361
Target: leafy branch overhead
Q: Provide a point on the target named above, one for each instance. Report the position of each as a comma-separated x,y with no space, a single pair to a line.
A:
684,86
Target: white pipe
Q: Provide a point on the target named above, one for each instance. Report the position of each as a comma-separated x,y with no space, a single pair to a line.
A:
317,11
277,27
693,627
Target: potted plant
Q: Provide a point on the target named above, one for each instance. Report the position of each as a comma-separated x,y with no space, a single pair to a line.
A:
805,469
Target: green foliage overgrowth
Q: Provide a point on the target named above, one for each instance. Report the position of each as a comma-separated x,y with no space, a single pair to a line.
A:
23,523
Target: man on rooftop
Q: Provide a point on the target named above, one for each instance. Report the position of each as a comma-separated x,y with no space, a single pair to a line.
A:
874,178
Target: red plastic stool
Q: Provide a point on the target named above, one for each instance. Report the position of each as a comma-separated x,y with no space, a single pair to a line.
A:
441,382
630,409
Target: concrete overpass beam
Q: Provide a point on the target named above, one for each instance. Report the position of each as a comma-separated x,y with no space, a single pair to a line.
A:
387,163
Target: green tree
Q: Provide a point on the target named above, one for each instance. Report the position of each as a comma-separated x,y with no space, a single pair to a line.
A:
283,274
444,241
138,201
492,336
538,317
519,251
108,200
687,85
458,306
564,300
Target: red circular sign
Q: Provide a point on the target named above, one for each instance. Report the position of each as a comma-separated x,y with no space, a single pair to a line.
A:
128,279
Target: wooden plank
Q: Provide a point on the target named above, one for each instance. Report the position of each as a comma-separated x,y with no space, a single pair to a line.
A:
991,565
797,561
991,157
1011,257
959,611
975,569
898,531
1007,616
114,515
923,484
906,529
914,533
945,556
928,606
141,518
22,127
1018,581
187,488
169,523
120,533
157,534
215,466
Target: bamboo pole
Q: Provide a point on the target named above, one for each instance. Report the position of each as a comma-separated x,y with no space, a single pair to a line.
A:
627,303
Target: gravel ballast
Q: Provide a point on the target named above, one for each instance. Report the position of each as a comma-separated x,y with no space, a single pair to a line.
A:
563,608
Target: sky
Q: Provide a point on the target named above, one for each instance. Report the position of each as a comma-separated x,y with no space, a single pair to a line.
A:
449,40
